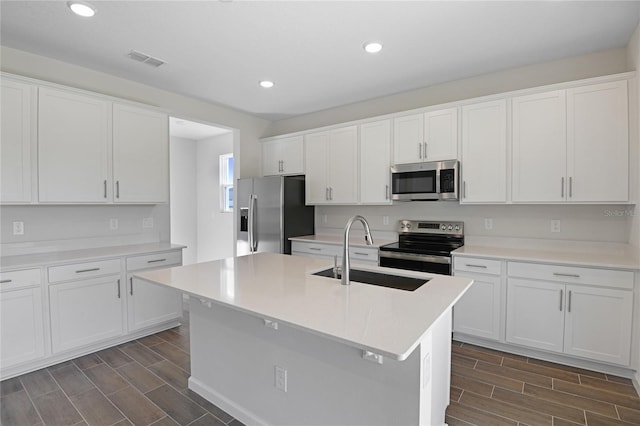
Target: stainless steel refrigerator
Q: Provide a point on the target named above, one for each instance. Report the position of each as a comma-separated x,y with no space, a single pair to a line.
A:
271,210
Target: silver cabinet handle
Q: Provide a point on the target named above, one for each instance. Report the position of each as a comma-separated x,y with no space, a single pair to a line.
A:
105,188
425,150
361,253
561,291
118,289
87,270
470,265
117,189
5,281
131,286
326,193
464,189
562,187
559,274
569,302
330,193
156,260
386,192
420,150
570,186
315,249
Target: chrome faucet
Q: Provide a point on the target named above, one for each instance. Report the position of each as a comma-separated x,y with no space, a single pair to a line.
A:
346,264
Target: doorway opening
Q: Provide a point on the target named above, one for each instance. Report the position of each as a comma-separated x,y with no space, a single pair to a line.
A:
201,189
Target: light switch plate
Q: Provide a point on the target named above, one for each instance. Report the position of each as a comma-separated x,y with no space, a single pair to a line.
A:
18,228
113,224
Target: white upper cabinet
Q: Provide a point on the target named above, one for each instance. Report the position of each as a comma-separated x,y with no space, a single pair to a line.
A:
16,141
484,152
571,145
332,166
432,136
539,147
283,156
375,162
598,143
140,155
73,141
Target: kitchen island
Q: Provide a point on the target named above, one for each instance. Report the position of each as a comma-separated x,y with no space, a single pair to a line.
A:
273,344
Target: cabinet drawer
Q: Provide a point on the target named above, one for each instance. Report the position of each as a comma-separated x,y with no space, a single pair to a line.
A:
13,280
359,253
316,249
572,274
169,258
482,266
78,271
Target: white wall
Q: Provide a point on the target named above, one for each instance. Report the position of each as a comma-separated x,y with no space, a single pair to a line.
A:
56,222
633,50
585,66
215,228
184,187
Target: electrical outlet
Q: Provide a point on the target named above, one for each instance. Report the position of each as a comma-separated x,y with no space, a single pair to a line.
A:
385,220
18,228
488,223
281,378
147,222
113,224
324,218
555,225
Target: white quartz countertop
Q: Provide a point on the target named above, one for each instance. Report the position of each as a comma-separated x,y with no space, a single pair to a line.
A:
338,239
58,257
281,288
618,257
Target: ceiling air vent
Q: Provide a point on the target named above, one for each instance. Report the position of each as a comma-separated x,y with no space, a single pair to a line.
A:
145,59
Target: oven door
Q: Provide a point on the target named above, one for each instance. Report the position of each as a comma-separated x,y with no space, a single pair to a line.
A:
415,262
414,182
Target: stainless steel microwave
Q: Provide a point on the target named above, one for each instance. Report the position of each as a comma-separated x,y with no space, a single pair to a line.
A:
427,181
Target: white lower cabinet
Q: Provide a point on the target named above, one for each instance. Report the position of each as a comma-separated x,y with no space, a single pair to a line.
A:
85,312
150,304
21,326
584,312
479,310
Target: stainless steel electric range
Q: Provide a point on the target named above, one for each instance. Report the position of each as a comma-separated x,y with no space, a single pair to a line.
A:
423,246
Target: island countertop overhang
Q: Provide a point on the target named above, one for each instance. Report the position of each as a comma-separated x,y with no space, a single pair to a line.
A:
282,288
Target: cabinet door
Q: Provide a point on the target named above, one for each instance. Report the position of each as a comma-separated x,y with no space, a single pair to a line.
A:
441,135
73,141
535,314
539,148
85,312
316,182
151,304
375,162
598,143
343,166
283,156
478,311
484,152
21,326
140,155
408,137
17,119
598,324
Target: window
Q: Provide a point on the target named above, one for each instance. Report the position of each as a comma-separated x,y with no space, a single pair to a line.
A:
226,182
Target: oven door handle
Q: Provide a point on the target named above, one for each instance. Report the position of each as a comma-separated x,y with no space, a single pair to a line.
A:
415,257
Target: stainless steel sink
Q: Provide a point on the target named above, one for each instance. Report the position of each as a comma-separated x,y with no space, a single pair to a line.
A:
377,278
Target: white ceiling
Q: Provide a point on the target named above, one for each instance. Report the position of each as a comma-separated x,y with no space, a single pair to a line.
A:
219,50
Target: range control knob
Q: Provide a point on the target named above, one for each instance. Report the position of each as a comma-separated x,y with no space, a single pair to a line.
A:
443,227
450,227
457,227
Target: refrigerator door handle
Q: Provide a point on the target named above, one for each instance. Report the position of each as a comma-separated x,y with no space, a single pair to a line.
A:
253,223
250,223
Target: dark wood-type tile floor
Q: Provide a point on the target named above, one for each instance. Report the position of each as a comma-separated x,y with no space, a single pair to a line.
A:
497,388
144,382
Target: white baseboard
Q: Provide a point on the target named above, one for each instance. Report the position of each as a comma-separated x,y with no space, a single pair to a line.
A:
245,416
636,381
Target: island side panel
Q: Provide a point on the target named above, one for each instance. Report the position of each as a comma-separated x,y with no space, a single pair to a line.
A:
233,360
435,354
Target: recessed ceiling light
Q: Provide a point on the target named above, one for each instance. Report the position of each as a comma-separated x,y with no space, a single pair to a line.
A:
372,47
266,84
82,9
